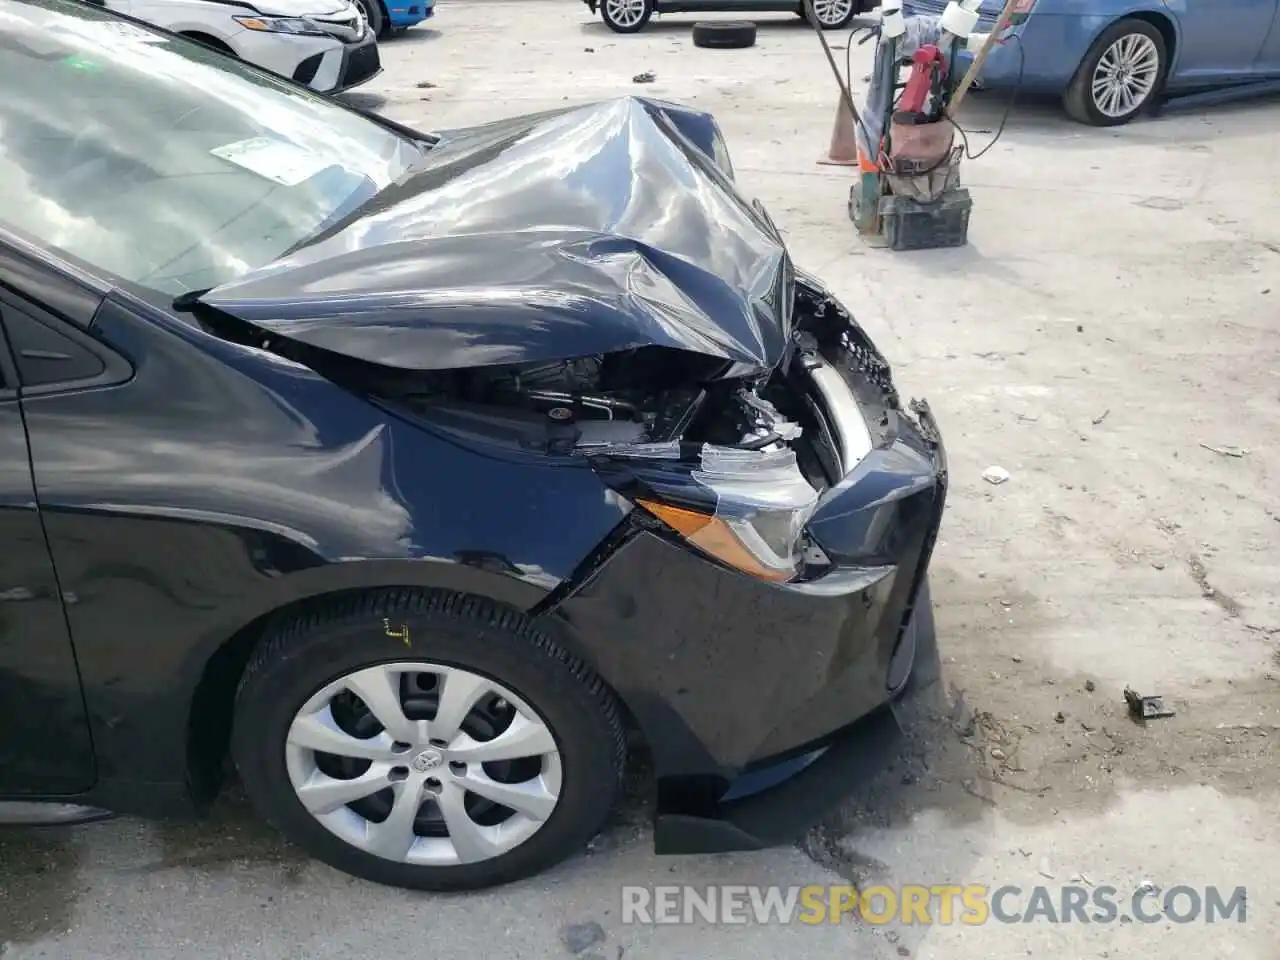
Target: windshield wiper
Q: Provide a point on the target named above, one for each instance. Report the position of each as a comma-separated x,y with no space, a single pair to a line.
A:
185,302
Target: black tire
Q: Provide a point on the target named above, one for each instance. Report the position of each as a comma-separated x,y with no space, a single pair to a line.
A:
301,655
379,23
841,22
608,15
730,35
1079,100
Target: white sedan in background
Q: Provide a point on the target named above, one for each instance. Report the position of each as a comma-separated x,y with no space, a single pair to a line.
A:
325,44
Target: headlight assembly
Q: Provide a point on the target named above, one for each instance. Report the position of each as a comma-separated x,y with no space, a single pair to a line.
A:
294,25
756,506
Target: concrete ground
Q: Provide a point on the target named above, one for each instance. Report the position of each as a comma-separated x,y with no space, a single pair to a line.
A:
1110,337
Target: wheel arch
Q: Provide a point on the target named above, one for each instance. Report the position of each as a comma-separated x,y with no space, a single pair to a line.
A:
1162,21
1168,28
387,25
207,39
216,663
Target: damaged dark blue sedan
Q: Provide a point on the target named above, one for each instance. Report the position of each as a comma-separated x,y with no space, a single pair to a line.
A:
419,478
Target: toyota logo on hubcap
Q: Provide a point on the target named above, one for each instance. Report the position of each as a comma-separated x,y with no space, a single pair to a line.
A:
427,760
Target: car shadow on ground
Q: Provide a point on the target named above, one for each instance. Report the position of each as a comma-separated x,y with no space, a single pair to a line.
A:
683,22
363,100
37,897
416,34
1041,117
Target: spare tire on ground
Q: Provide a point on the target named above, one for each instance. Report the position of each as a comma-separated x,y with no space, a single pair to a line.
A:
728,35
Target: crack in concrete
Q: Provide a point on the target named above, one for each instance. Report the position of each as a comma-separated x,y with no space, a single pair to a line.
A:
1200,575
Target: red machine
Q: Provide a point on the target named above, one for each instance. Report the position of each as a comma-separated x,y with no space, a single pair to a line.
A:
928,72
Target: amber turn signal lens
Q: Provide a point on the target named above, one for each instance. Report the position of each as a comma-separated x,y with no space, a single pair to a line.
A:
713,536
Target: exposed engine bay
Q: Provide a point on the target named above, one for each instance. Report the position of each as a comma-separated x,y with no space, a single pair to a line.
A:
593,404
648,401
656,401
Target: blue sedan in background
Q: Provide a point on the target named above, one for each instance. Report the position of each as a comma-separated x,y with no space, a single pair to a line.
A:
386,17
1111,59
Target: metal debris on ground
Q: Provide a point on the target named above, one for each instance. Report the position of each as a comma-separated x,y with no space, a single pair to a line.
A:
647,77
1142,709
995,475
425,85
1226,451
1102,416
579,936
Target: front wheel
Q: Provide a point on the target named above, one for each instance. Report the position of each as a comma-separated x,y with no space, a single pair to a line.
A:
374,17
1119,77
626,16
832,14
428,741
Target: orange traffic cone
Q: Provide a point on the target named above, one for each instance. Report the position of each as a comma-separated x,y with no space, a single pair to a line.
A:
844,142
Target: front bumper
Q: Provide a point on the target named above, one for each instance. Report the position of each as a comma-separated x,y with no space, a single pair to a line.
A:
405,15
324,64
292,56
737,684
360,62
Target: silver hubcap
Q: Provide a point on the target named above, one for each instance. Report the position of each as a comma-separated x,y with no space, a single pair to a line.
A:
625,13
423,763
1126,75
831,11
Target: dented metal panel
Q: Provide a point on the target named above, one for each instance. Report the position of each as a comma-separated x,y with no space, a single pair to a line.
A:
585,231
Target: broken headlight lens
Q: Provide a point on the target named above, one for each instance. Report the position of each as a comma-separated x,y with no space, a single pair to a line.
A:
761,503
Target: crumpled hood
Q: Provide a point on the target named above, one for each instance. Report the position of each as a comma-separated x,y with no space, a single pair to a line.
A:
581,231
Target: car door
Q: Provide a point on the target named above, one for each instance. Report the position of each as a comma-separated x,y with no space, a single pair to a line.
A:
45,744
1219,39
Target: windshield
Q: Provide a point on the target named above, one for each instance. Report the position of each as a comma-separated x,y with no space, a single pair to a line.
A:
163,163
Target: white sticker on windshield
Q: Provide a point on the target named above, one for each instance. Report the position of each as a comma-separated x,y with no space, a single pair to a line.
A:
278,160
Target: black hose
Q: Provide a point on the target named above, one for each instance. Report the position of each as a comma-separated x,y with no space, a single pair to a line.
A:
841,82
